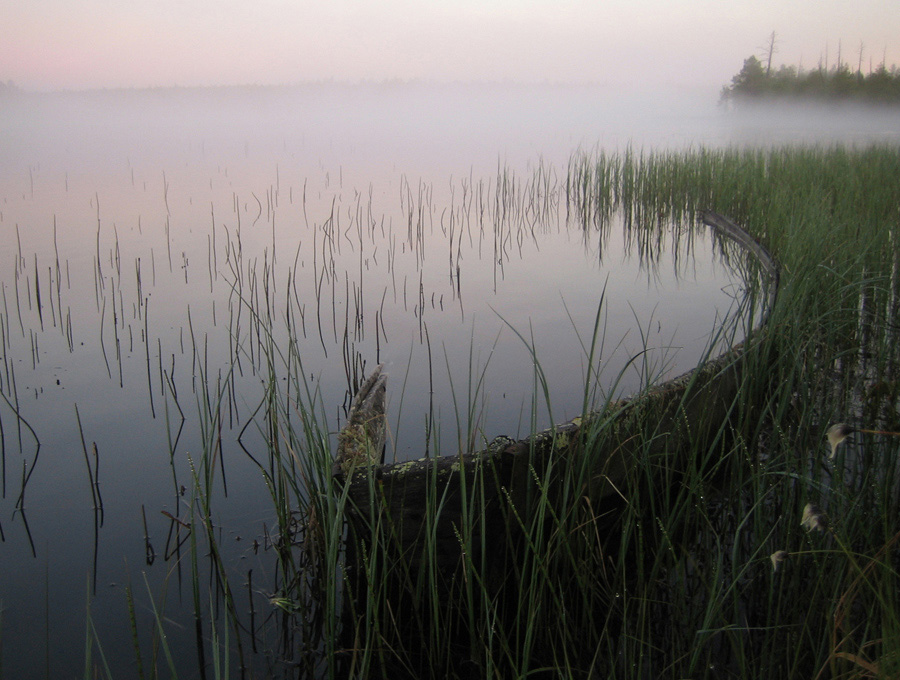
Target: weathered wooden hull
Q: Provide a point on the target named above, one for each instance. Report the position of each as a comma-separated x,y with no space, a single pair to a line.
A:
477,499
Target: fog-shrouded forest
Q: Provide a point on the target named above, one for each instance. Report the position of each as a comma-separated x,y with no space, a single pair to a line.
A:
759,80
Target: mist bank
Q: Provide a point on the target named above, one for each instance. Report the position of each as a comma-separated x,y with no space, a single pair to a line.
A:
415,127
772,122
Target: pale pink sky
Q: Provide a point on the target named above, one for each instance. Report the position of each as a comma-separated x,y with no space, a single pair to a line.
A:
696,44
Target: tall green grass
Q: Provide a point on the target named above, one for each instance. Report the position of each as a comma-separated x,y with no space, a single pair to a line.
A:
669,576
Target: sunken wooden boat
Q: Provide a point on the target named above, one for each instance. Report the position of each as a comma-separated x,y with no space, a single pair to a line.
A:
456,508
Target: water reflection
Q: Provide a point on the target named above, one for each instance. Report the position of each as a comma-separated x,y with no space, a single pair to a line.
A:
160,282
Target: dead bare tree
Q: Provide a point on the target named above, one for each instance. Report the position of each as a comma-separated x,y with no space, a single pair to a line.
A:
770,52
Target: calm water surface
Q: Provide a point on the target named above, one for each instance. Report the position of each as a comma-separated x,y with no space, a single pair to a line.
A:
156,246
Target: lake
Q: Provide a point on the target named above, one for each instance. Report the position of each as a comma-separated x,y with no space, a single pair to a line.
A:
166,256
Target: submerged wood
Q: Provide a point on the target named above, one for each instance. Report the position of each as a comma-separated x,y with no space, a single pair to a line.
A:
456,508
361,441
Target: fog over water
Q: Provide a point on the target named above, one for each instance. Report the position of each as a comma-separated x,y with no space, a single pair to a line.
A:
124,207
416,128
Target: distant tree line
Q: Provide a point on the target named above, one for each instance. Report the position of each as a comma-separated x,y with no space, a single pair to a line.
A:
7,87
759,82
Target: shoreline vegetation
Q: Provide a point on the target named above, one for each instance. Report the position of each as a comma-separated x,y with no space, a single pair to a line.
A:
707,566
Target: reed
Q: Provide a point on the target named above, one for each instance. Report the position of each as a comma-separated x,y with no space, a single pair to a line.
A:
676,582
669,574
